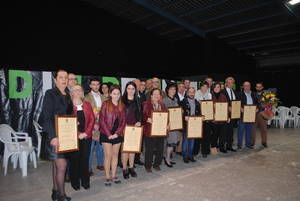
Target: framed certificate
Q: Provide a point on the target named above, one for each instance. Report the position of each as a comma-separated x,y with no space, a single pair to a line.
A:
133,136
66,132
249,115
195,126
175,118
235,109
159,124
221,111
207,110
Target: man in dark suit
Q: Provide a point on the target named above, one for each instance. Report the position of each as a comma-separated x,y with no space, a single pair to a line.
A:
231,95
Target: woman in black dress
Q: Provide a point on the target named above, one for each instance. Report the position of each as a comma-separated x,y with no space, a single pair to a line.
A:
57,101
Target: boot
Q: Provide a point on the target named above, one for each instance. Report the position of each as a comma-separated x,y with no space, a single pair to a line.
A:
132,172
126,174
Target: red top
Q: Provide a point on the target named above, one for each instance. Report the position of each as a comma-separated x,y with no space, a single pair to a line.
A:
108,118
88,116
147,113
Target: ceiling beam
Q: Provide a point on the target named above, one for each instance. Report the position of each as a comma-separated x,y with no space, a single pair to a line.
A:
254,30
245,22
262,38
278,50
183,14
171,17
268,44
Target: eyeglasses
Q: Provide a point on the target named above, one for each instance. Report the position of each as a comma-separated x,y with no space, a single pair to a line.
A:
73,79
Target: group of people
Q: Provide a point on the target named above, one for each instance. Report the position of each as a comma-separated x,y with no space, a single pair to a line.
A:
104,112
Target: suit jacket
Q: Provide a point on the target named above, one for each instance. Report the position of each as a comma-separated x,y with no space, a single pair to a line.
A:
147,112
178,99
237,97
89,118
244,98
187,109
54,103
90,98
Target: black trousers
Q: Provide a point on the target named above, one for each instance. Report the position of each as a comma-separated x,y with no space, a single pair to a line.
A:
204,142
153,146
218,134
79,164
229,133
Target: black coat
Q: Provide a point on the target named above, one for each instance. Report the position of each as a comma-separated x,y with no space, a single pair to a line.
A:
187,109
54,103
244,98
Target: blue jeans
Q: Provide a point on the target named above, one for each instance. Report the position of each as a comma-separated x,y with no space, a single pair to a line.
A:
247,129
99,153
187,146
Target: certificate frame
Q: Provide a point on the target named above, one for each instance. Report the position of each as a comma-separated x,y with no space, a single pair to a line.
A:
180,127
215,111
212,109
201,117
253,108
240,104
128,128
164,134
71,120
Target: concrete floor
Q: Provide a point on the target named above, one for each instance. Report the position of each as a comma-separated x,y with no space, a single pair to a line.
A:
271,174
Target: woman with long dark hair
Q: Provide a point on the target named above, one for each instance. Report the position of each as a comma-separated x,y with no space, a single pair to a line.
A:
133,117
57,101
112,126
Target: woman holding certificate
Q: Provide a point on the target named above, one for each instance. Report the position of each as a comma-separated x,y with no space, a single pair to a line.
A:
133,117
112,126
153,142
172,139
218,128
57,101
203,94
79,160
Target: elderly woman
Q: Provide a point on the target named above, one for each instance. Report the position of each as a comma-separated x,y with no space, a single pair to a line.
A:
79,160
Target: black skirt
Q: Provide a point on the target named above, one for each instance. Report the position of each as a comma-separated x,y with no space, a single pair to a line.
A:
104,139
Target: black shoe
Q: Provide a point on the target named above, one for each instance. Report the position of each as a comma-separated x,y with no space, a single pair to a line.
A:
204,155
76,188
139,162
116,180
54,195
107,182
126,174
239,146
192,159
231,149
265,145
173,163
223,151
169,165
64,198
250,147
87,186
132,172
186,160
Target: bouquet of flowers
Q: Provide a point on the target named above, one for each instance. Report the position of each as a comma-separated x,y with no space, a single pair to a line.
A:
268,101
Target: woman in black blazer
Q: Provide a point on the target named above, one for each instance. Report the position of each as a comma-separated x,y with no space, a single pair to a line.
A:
57,101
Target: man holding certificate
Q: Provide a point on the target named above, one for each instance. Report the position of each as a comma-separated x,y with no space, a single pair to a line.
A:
248,98
191,107
154,144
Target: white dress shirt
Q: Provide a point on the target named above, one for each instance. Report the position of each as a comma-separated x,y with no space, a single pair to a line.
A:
229,90
181,97
199,96
97,99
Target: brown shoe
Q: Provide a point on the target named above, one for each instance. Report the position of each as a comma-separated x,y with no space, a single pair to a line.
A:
149,170
91,173
157,168
100,168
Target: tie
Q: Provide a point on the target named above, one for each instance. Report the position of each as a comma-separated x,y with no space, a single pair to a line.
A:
231,94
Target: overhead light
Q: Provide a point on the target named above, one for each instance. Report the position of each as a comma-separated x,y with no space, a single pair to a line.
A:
293,2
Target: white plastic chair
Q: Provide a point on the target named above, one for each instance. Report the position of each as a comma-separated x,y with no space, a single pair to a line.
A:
294,110
17,150
38,130
285,115
276,118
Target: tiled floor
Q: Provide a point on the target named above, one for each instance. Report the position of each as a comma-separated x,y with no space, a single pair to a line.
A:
271,174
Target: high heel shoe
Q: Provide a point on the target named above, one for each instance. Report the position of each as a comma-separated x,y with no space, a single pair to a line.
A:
132,172
126,174
64,198
54,195
169,165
